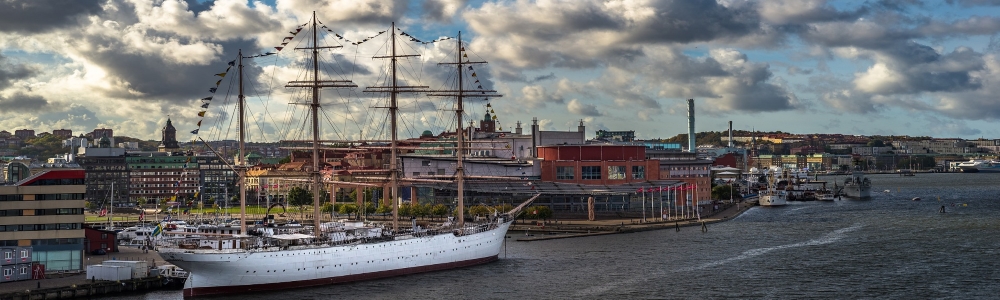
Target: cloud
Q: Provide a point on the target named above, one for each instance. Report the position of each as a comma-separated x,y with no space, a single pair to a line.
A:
536,96
11,71
33,16
441,10
577,107
23,103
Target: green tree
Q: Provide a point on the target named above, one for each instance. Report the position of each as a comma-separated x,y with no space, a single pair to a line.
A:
285,160
299,197
327,207
406,209
439,210
723,192
421,210
383,209
479,210
538,212
348,209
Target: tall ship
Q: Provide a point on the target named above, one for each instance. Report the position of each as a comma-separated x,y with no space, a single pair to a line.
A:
772,196
857,186
262,257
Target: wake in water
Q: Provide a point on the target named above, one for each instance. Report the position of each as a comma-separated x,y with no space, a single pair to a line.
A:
831,237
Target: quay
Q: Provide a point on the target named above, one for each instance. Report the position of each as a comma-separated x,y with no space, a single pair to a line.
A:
77,285
563,229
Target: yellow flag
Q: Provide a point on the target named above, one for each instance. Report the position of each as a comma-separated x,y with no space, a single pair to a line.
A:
223,74
201,114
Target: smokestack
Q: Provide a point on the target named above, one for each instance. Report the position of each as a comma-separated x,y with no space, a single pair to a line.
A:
730,134
518,129
691,140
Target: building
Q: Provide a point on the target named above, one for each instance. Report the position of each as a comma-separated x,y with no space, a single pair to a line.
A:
64,133
689,169
24,134
596,164
217,180
546,138
616,136
156,176
45,211
168,143
100,239
107,175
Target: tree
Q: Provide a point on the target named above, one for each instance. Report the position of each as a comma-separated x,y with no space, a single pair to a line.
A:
421,210
539,212
348,209
724,192
479,210
405,209
383,209
439,210
285,160
299,197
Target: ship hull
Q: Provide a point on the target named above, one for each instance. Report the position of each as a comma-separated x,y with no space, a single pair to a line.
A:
772,200
243,272
858,192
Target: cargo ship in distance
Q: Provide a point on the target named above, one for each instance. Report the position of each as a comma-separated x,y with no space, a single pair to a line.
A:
263,258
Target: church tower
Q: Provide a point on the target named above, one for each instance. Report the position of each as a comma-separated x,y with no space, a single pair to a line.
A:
169,141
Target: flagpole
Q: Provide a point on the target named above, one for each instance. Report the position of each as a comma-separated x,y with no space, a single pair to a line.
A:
643,204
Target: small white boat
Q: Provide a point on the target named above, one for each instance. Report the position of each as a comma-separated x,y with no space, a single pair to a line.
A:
916,198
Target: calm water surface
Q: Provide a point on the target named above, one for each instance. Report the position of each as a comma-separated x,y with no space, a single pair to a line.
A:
887,247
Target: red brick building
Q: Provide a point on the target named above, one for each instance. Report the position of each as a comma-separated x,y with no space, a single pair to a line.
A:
597,164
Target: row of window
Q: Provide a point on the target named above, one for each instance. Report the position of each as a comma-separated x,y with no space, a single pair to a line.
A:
69,196
594,172
439,172
40,227
41,212
19,197
161,191
75,181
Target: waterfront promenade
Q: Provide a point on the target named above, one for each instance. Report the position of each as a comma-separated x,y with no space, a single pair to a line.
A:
65,280
560,229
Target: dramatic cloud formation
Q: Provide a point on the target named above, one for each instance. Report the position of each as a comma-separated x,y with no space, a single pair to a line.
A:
622,65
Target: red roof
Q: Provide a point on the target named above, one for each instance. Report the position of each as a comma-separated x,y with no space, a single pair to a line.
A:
56,174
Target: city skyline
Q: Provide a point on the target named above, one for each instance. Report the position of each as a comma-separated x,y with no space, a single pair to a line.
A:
859,68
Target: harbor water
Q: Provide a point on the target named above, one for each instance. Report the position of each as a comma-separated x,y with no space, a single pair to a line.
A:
886,247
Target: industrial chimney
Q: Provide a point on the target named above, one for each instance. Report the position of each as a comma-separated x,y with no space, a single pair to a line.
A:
730,134
691,139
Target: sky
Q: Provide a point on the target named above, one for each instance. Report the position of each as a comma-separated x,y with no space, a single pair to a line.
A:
891,67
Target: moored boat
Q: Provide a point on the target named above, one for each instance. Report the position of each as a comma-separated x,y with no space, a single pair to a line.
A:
260,258
858,186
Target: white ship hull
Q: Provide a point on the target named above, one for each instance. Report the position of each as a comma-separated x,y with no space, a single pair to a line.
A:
238,271
772,200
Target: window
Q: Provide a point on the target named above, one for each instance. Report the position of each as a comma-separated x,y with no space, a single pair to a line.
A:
104,246
104,236
8,272
24,270
8,255
24,253
440,171
415,174
565,172
616,172
590,172
638,172
425,163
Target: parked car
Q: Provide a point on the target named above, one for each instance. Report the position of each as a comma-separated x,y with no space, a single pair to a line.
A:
98,252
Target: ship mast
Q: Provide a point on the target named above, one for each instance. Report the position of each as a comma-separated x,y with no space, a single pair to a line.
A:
241,163
315,84
460,94
394,89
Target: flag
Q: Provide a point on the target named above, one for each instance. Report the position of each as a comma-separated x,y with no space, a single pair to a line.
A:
217,83
194,131
470,68
223,74
104,212
142,215
209,98
205,105
232,63
159,227
201,114
639,190
212,90
289,38
279,48
199,123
